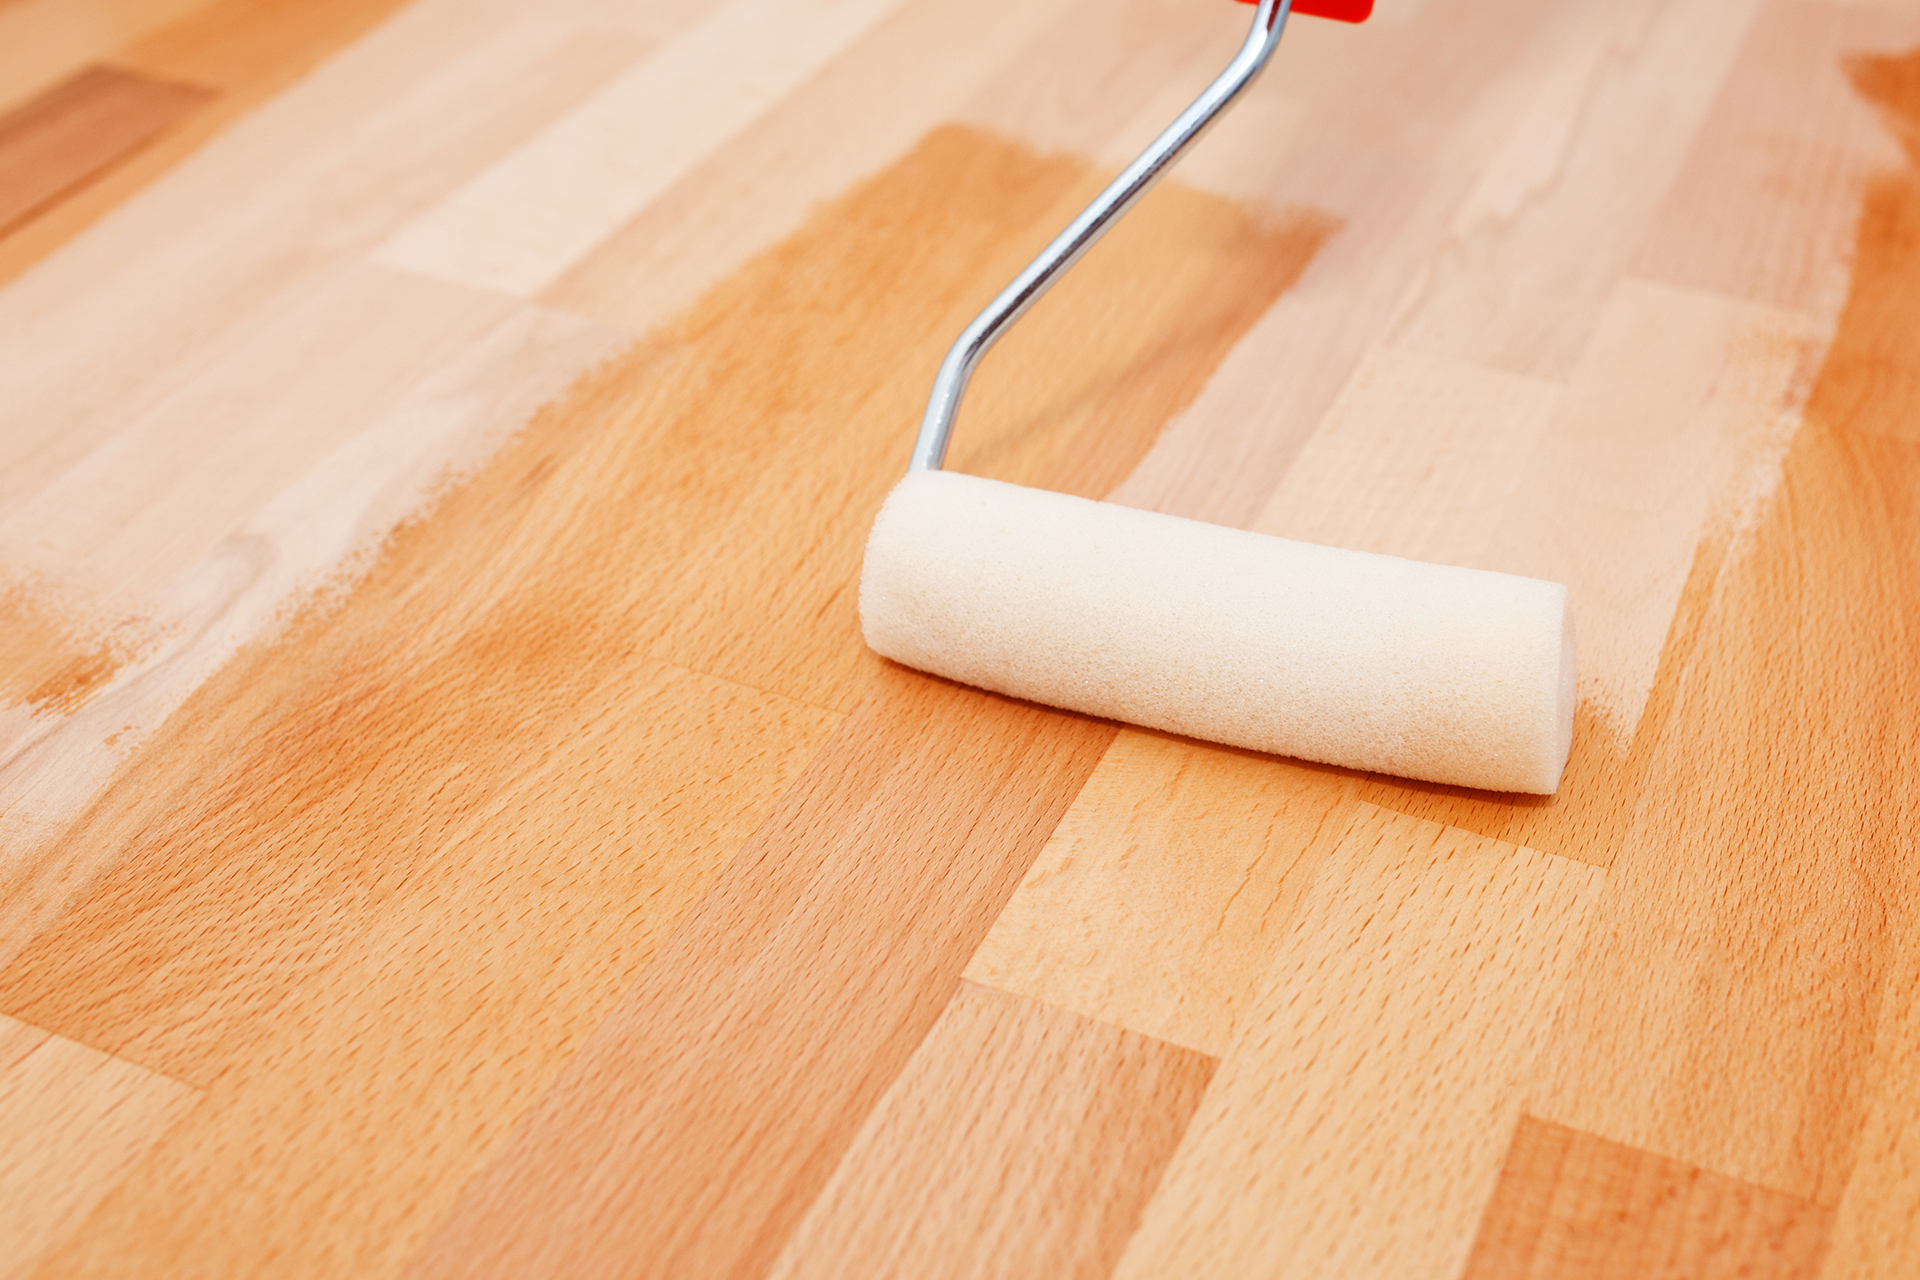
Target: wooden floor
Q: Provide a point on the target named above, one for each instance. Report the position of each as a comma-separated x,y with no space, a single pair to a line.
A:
450,826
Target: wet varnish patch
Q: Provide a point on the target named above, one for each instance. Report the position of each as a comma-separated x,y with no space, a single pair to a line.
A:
51,659
375,881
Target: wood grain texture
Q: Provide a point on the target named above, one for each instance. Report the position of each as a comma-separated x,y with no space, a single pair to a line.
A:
233,495
1677,413
761,185
1357,1124
1788,131
1162,898
1678,403
682,1141
1392,180
73,1122
494,824
1570,1206
1876,1229
53,658
521,224
542,515
243,51
1675,418
264,218
78,128
98,689
1455,440
223,945
1019,1141
371,738
1671,421
43,42
1788,770
1506,291
1669,432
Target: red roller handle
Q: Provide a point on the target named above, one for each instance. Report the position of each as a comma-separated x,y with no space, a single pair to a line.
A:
1340,10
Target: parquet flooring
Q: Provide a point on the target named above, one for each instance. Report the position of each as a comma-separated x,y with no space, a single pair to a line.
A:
450,826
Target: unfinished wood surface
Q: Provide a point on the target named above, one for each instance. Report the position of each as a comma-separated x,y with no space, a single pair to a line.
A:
1509,289
611,156
73,1123
760,185
1792,132
1356,1125
1391,180
378,748
240,51
1419,457
78,128
160,451
1570,1206
265,217
1020,1141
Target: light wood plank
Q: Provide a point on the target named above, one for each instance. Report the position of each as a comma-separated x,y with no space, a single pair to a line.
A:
1871,380
1788,135
1737,990
200,463
519,225
682,1140
1019,1141
1571,1206
79,127
194,432
1665,446
1418,458
1674,424
1679,408
1535,250
244,51
1080,85
270,213
1315,135
1356,1126
761,185
73,1121
1161,899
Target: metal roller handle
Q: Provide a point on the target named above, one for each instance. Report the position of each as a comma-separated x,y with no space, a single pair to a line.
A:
930,449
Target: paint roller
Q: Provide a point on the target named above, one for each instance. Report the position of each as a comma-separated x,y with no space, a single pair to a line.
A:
1434,672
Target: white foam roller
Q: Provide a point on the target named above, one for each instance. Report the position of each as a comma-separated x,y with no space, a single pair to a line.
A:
1427,671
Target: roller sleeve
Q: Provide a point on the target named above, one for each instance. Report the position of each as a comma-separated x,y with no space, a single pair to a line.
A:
1450,675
